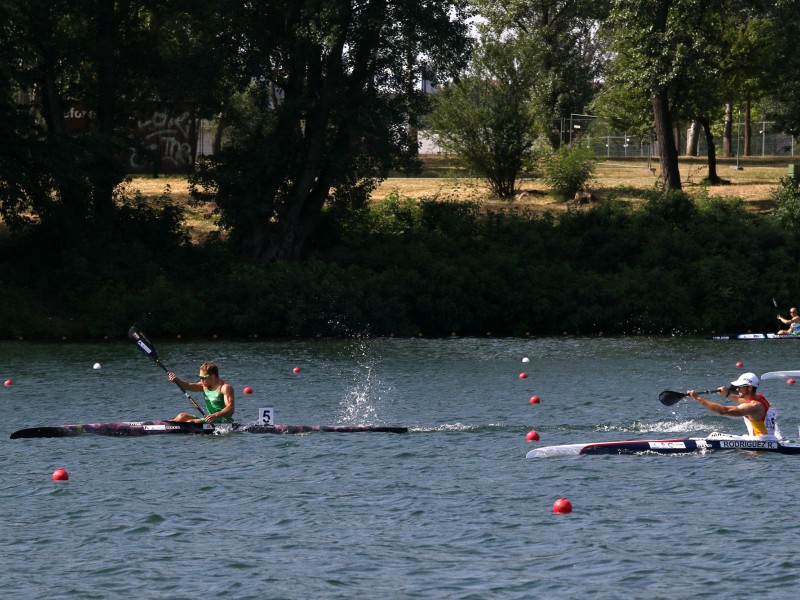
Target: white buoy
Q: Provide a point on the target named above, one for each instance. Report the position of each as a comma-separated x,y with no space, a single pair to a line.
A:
96,366
526,359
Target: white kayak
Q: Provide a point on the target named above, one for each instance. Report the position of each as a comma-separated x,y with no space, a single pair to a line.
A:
714,442
758,336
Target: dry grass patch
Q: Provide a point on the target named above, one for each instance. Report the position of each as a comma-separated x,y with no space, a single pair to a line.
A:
200,218
627,180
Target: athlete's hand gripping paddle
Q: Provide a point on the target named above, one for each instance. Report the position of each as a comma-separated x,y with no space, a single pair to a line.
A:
149,349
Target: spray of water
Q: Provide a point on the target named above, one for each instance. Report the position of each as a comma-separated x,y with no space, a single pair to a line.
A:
359,405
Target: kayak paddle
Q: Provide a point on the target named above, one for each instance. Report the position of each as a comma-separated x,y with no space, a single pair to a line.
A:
149,349
668,398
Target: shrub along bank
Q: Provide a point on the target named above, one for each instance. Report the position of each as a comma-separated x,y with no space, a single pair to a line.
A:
436,268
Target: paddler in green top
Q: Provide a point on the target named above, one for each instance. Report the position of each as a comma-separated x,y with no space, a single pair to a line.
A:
218,395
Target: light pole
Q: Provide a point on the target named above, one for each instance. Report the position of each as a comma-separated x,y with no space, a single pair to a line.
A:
738,136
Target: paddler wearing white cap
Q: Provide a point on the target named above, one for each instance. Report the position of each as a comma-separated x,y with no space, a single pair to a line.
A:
759,417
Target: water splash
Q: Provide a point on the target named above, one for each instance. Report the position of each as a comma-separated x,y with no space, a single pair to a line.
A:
359,405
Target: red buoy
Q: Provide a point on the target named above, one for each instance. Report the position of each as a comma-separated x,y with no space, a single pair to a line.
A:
562,506
533,436
8,383
790,381
740,364
296,370
248,390
535,400
523,375
60,475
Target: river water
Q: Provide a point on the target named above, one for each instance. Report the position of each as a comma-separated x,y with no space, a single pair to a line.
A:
452,509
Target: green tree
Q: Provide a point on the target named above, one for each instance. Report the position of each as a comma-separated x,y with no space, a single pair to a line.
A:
780,68
486,117
325,85
560,47
662,52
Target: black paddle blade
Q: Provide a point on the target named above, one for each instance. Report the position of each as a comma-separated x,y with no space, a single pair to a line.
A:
668,398
144,344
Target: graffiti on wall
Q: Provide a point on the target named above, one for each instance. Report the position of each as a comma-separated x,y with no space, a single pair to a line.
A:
162,141
159,139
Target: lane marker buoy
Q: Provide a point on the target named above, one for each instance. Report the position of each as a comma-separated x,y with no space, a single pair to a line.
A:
60,475
533,436
562,506
535,400
248,390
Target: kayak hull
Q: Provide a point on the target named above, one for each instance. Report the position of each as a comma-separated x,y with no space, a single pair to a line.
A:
672,446
758,336
138,428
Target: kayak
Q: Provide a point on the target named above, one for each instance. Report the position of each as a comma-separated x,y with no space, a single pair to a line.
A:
135,428
714,442
758,336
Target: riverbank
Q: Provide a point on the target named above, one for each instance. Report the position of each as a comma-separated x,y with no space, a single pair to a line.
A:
644,263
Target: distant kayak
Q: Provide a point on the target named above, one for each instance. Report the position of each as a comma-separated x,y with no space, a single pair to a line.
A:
137,428
758,336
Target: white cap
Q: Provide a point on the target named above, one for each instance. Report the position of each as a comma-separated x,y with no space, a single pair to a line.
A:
746,379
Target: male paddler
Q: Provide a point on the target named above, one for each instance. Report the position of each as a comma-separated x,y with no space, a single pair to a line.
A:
217,393
759,417
793,322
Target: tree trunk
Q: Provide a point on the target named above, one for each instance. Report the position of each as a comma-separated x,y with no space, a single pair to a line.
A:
713,178
312,177
412,70
52,106
110,175
693,139
216,143
727,132
668,155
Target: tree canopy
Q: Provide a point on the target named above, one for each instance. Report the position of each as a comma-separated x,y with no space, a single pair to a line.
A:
331,87
487,117
318,100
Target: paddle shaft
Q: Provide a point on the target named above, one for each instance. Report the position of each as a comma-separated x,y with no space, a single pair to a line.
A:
146,346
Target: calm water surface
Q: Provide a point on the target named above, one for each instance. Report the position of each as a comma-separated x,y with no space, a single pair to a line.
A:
451,510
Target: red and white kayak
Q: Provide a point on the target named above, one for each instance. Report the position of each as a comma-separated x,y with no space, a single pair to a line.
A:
712,443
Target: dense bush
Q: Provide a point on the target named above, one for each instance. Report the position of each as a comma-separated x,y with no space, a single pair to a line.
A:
787,199
407,268
568,170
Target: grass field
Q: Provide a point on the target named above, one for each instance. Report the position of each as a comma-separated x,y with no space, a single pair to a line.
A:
628,180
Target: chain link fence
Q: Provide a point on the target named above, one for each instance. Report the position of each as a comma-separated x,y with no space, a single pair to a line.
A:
595,134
